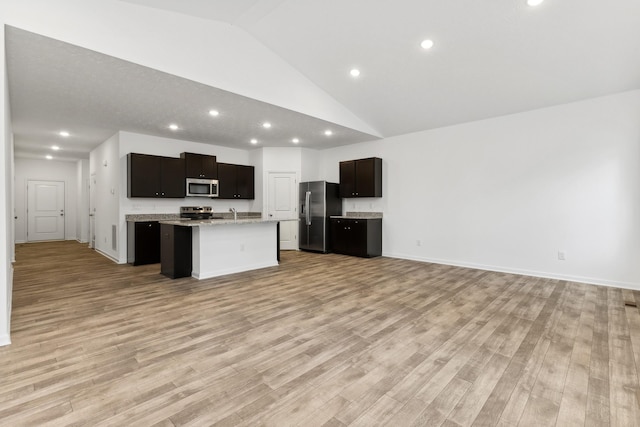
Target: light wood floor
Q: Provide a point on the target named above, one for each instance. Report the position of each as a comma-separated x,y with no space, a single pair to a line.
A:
320,340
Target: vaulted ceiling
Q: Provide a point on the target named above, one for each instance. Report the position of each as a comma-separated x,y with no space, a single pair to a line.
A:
489,58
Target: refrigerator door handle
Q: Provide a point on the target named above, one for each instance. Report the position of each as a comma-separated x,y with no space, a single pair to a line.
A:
307,200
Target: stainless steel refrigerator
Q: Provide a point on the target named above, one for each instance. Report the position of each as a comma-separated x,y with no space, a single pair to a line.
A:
318,201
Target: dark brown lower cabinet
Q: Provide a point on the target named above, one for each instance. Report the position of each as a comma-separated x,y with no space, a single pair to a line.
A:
175,250
356,236
143,242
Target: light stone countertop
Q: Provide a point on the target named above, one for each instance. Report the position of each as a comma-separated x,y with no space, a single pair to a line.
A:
359,215
210,222
176,217
151,217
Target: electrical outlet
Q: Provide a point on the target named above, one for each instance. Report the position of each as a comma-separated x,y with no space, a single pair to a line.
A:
418,243
562,256
242,247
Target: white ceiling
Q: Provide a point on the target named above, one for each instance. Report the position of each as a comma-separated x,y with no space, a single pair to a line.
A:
95,95
490,58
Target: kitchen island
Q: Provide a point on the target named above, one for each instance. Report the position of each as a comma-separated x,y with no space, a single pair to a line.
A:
223,246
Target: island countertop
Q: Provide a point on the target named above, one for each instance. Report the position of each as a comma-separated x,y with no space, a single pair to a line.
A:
211,222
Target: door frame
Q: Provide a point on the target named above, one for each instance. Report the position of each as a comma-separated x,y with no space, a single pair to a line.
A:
28,212
295,190
92,210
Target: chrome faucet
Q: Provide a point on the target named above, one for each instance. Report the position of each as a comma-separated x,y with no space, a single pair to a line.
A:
235,214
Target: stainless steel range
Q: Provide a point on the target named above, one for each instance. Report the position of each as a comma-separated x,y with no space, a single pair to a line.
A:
196,212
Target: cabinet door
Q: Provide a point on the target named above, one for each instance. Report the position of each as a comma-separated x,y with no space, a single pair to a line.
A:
339,236
365,173
192,165
209,167
245,182
200,166
348,179
173,180
357,244
147,243
226,181
143,175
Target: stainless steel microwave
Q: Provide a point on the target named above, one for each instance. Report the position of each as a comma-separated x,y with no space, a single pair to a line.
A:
198,187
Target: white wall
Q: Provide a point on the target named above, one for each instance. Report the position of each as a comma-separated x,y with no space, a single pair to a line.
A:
45,170
256,159
6,212
312,165
82,205
104,168
508,193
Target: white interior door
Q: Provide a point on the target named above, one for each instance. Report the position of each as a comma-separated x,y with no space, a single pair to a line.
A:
282,196
45,210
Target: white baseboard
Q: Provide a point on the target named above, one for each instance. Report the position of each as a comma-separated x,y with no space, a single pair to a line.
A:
4,340
522,272
106,255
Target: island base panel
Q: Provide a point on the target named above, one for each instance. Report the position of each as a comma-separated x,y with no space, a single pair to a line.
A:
233,248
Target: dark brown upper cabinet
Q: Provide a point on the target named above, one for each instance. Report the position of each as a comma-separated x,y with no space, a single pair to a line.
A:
155,176
361,178
236,181
200,166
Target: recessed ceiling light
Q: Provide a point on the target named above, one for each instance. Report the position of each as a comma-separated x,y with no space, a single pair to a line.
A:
355,72
63,133
49,157
534,2
173,126
55,147
426,44
328,132
295,140
214,113
254,141
266,125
